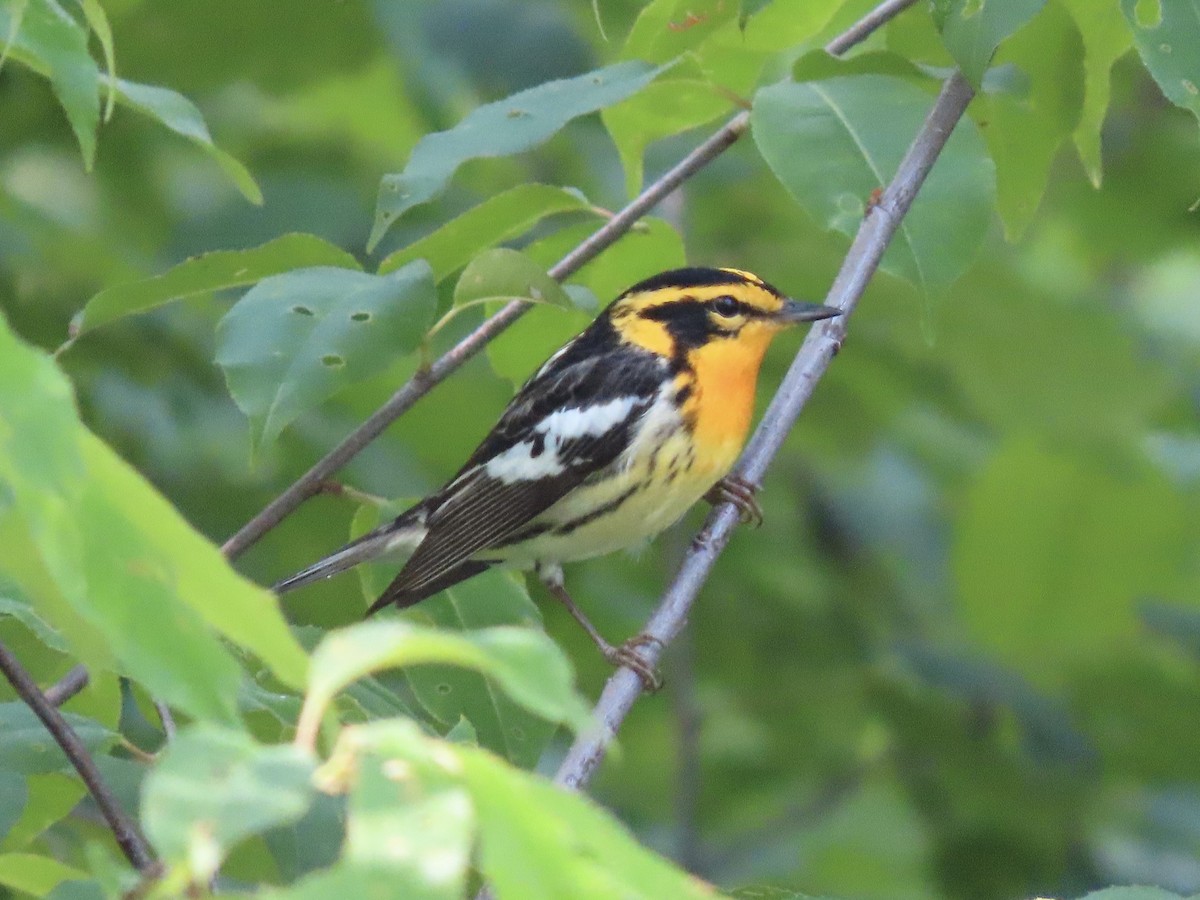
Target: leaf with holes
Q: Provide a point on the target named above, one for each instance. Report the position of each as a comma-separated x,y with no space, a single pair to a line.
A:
1167,34
296,339
832,143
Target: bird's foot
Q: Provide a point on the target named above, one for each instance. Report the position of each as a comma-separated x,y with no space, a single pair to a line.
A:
627,655
740,492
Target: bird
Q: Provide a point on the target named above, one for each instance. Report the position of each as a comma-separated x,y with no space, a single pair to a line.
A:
608,443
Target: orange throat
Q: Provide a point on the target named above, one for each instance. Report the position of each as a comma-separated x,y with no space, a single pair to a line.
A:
722,398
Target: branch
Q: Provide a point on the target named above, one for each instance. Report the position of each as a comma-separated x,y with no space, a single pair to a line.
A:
68,686
817,351
309,484
128,837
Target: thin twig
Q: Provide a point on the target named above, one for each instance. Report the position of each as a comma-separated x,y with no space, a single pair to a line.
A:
67,687
123,828
864,27
817,351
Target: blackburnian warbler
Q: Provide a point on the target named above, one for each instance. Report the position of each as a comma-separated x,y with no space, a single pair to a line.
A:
609,442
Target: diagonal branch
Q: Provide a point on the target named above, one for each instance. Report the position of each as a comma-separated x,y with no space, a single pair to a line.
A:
817,351
132,844
309,484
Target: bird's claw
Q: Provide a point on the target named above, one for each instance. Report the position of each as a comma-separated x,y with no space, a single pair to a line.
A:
627,655
740,492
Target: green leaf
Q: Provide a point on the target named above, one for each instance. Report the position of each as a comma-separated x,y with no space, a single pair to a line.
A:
215,271
524,663
28,873
181,116
661,109
1106,38
664,29
1052,554
121,558
653,246
213,788
1167,35
14,797
499,218
1134,893
517,351
833,142
973,29
97,20
451,693
296,339
561,845
503,274
13,602
1024,132
27,747
513,125
48,40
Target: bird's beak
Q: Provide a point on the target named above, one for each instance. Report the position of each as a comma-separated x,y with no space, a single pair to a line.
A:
793,312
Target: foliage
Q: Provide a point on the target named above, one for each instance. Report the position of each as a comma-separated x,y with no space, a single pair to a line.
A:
959,660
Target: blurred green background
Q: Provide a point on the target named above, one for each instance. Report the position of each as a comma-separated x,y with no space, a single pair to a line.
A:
961,659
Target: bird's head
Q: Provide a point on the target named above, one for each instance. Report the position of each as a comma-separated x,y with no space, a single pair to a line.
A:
681,311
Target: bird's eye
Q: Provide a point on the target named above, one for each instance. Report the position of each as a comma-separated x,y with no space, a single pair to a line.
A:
726,306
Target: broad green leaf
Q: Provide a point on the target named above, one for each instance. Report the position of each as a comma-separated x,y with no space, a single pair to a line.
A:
651,247
183,564
562,845
499,218
121,557
97,20
451,693
1106,38
664,29
1052,553
27,747
29,873
515,124
14,603
1135,893
832,143
1167,34
48,40
503,274
213,788
416,820
180,115
297,339
215,271
517,351
523,663
973,29
661,109
1026,128
14,796
51,798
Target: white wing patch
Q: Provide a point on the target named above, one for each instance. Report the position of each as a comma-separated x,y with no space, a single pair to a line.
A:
519,463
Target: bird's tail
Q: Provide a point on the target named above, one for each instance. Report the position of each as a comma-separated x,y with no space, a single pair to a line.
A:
397,538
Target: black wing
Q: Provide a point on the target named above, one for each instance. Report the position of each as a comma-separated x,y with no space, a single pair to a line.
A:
478,510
